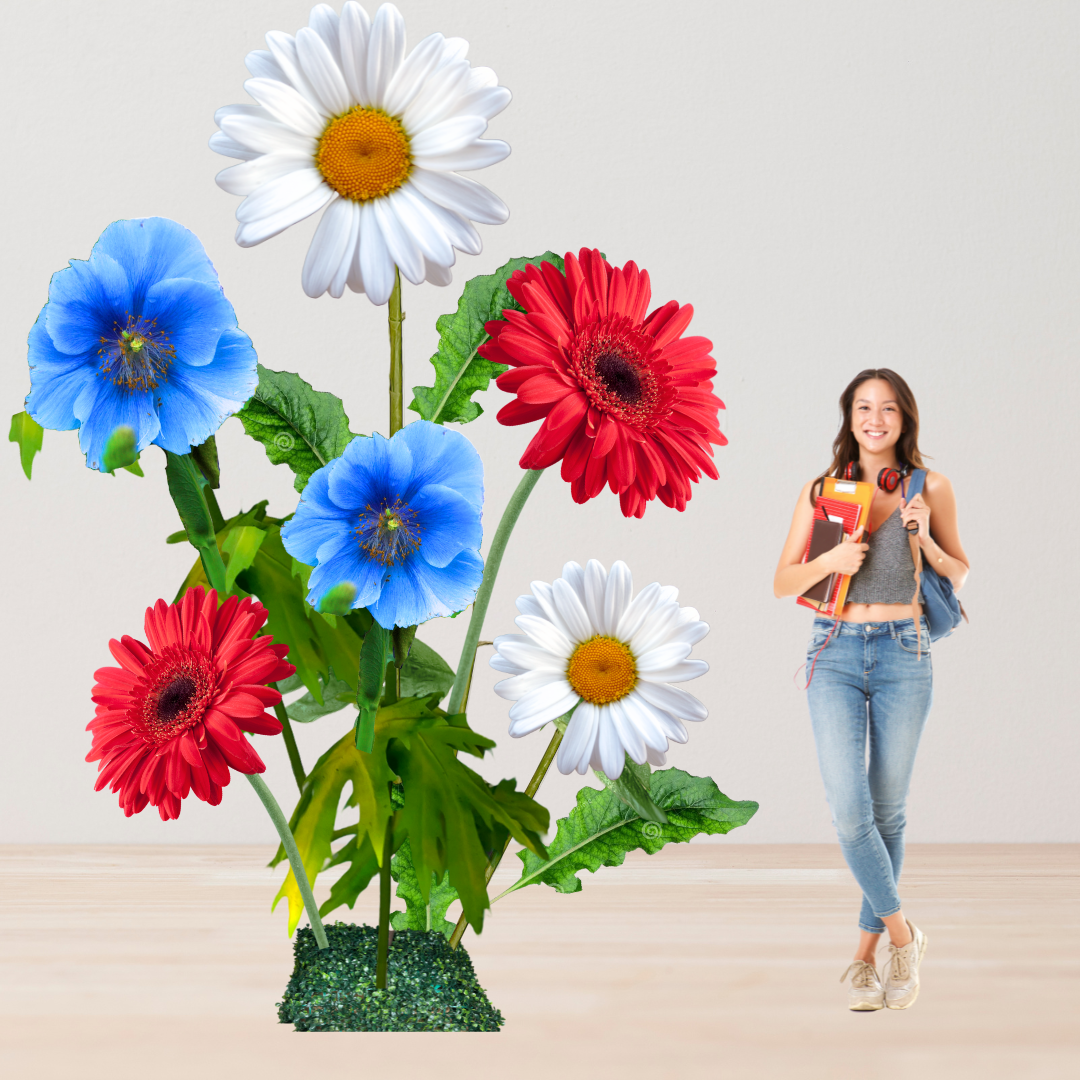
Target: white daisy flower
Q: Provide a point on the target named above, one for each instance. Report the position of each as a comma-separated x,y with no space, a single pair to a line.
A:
346,121
588,642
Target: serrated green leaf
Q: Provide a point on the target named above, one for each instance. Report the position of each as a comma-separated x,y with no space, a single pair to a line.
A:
425,672
632,787
602,828
336,694
28,433
459,371
239,549
298,426
420,914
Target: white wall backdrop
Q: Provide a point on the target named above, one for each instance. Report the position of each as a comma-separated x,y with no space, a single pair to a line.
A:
833,185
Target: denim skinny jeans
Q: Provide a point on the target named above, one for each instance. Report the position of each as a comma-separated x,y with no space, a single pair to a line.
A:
868,679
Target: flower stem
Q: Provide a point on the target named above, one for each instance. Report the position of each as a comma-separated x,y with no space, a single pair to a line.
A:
396,317
531,790
383,954
297,864
483,594
290,745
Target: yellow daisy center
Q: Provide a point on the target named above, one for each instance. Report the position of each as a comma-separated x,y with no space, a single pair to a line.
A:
364,154
602,670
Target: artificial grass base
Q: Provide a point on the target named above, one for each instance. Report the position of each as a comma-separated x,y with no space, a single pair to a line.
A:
429,986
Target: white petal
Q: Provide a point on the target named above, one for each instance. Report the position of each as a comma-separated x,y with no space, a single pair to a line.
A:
542,700
673,727
376,264
409,79
255,232
240,110
441,92
479,155
529,605
220,143
450,135
531,657
688,628
487,101
527,682
435,274
681,672
671,699
663,656
341,275
577,744
617,593
243,179
481,78
646,719
422,226
355,278
453,227
354,32
463,196
654,630
266,136
324,21
275,195
456,49
527,724
571,611
262,65
638,611
287,105
283,48
546,635
328,247
629,736
595,584
544,595
399,243
656,758
322,71
574,576
386,47
609,746
500,663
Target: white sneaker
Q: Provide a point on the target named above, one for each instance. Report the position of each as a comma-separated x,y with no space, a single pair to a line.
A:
901,970
866,993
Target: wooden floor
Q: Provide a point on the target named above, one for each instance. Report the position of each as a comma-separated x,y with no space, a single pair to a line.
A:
707,960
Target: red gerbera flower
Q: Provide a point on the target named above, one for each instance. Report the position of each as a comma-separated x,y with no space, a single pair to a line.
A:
169,719
625,399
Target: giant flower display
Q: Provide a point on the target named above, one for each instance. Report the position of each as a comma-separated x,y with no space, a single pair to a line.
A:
170,720
347,121
398,521
591,646
626,400
139,335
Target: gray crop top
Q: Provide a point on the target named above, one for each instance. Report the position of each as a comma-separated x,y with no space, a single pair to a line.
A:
887,575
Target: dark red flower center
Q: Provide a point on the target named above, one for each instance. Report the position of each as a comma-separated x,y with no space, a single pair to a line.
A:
613,361
177,687
175,698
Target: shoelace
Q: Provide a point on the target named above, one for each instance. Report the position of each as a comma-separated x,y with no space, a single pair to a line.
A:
865,977
901,969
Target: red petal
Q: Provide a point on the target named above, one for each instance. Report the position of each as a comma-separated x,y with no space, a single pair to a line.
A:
516,412
263,724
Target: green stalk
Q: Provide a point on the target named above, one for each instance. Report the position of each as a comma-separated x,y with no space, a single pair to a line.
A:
531,790
383,954
297,864
483,594
396,318
290,745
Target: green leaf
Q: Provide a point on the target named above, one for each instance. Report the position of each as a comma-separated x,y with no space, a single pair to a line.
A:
185,487
299,427
369,690
205,456
425,672
336,695
135,467
420,913
459,371
632,787
241,545
28,433
601,829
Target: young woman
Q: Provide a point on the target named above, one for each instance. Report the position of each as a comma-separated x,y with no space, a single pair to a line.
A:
869,676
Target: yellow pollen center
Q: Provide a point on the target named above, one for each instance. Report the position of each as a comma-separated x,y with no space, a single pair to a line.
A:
364,154
602,670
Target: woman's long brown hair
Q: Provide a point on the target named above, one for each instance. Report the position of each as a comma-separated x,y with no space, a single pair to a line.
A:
846,448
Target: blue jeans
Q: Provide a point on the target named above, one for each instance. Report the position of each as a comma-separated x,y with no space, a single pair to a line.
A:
868,678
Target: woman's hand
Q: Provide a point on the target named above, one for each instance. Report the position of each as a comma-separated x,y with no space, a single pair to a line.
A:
847,556
918,512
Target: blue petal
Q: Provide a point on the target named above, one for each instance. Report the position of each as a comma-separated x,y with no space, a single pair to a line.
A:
193,314
87,301
449,523
454,585
56,380
317,519
405,600
152,250
103,407
349,565
443,456
371,470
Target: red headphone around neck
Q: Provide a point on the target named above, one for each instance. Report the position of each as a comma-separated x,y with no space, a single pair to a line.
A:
887,479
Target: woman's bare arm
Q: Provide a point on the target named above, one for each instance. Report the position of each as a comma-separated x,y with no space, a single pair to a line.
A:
939,535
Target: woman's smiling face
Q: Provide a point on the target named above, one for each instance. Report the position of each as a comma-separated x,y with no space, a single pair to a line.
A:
876,418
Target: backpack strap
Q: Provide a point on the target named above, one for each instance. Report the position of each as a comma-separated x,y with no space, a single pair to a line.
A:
914,487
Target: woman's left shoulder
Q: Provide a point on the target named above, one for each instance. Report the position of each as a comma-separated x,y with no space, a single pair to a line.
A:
938,484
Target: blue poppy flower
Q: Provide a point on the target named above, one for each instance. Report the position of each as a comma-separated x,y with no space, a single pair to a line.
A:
139,335
397,519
